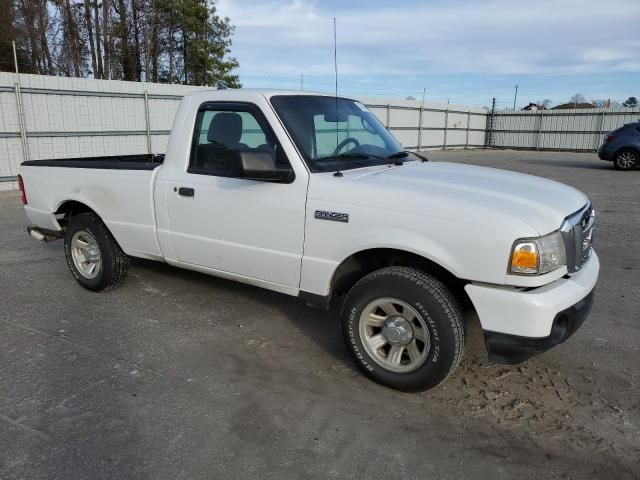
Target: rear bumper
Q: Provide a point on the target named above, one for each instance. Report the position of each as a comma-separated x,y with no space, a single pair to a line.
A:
519,323
42,218
605,152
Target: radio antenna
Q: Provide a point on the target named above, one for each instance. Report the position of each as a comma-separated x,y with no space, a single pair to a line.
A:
335,68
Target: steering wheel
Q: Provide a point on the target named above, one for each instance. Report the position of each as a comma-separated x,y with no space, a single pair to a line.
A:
346,142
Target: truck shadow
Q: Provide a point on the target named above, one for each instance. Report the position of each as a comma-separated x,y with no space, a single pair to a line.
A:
322,327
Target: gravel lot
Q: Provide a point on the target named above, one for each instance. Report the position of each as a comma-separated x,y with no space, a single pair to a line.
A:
178,375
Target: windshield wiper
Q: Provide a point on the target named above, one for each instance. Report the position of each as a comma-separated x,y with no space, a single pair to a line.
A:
405,153
356,156
363,156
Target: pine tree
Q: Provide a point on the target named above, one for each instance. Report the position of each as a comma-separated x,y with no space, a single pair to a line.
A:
176,41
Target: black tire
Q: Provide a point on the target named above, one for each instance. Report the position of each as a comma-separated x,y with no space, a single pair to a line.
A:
114,263
436,305
626,159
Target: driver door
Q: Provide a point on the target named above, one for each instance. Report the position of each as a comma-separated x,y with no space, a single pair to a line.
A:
253,229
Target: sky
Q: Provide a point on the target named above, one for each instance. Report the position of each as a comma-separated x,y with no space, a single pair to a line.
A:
462,50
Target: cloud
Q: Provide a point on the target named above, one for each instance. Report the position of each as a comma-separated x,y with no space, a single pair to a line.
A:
498,37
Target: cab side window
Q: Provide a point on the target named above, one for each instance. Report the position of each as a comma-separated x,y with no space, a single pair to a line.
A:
221,133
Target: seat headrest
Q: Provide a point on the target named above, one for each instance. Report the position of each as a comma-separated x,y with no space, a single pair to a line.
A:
225,128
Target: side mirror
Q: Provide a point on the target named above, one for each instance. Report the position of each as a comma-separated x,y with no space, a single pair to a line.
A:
261,166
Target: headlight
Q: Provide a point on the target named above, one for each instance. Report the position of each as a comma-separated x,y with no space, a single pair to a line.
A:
535,256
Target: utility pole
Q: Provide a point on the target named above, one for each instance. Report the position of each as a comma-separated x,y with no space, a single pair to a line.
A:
424,92
515,97
301,81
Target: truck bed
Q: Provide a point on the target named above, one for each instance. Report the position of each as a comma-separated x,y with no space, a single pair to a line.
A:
114,162
118,188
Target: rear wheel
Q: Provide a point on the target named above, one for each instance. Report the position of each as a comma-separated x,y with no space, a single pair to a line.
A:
404,328
94,257
626,160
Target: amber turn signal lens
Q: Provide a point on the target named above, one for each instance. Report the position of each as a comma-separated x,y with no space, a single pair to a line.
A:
525,258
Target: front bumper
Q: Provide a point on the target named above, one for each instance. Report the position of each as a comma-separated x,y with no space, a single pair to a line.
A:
519,323
512,349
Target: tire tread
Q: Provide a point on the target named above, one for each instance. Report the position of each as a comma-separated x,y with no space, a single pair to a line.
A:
119,261
436,289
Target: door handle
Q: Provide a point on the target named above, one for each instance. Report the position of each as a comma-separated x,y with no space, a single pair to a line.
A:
186,192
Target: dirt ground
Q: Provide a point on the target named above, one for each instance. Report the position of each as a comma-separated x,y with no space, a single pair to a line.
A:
181,375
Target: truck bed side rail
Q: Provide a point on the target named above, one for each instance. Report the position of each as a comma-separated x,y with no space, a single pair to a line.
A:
115,162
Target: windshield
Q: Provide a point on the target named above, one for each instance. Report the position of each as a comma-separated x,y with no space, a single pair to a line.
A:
322,133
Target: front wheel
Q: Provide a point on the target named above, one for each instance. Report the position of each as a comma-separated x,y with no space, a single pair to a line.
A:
94,257
404,328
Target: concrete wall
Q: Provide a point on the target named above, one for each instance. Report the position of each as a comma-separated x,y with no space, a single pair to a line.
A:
73,117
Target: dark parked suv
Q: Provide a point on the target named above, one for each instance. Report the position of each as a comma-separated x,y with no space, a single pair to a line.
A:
622,147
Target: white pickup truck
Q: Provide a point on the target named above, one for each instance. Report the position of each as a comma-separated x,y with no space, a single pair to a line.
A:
309,195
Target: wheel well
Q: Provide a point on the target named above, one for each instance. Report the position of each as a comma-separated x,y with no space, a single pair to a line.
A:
69,208
362,263
626,147
72,208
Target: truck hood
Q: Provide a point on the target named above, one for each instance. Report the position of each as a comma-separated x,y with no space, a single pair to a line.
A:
477,195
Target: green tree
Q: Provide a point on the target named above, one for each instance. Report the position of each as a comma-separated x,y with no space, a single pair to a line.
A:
630,102
183,41
7,34
206,44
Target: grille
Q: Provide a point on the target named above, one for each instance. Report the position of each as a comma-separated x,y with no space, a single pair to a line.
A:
577,231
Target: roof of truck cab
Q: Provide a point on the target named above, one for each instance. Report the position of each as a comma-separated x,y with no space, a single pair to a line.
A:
251,93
